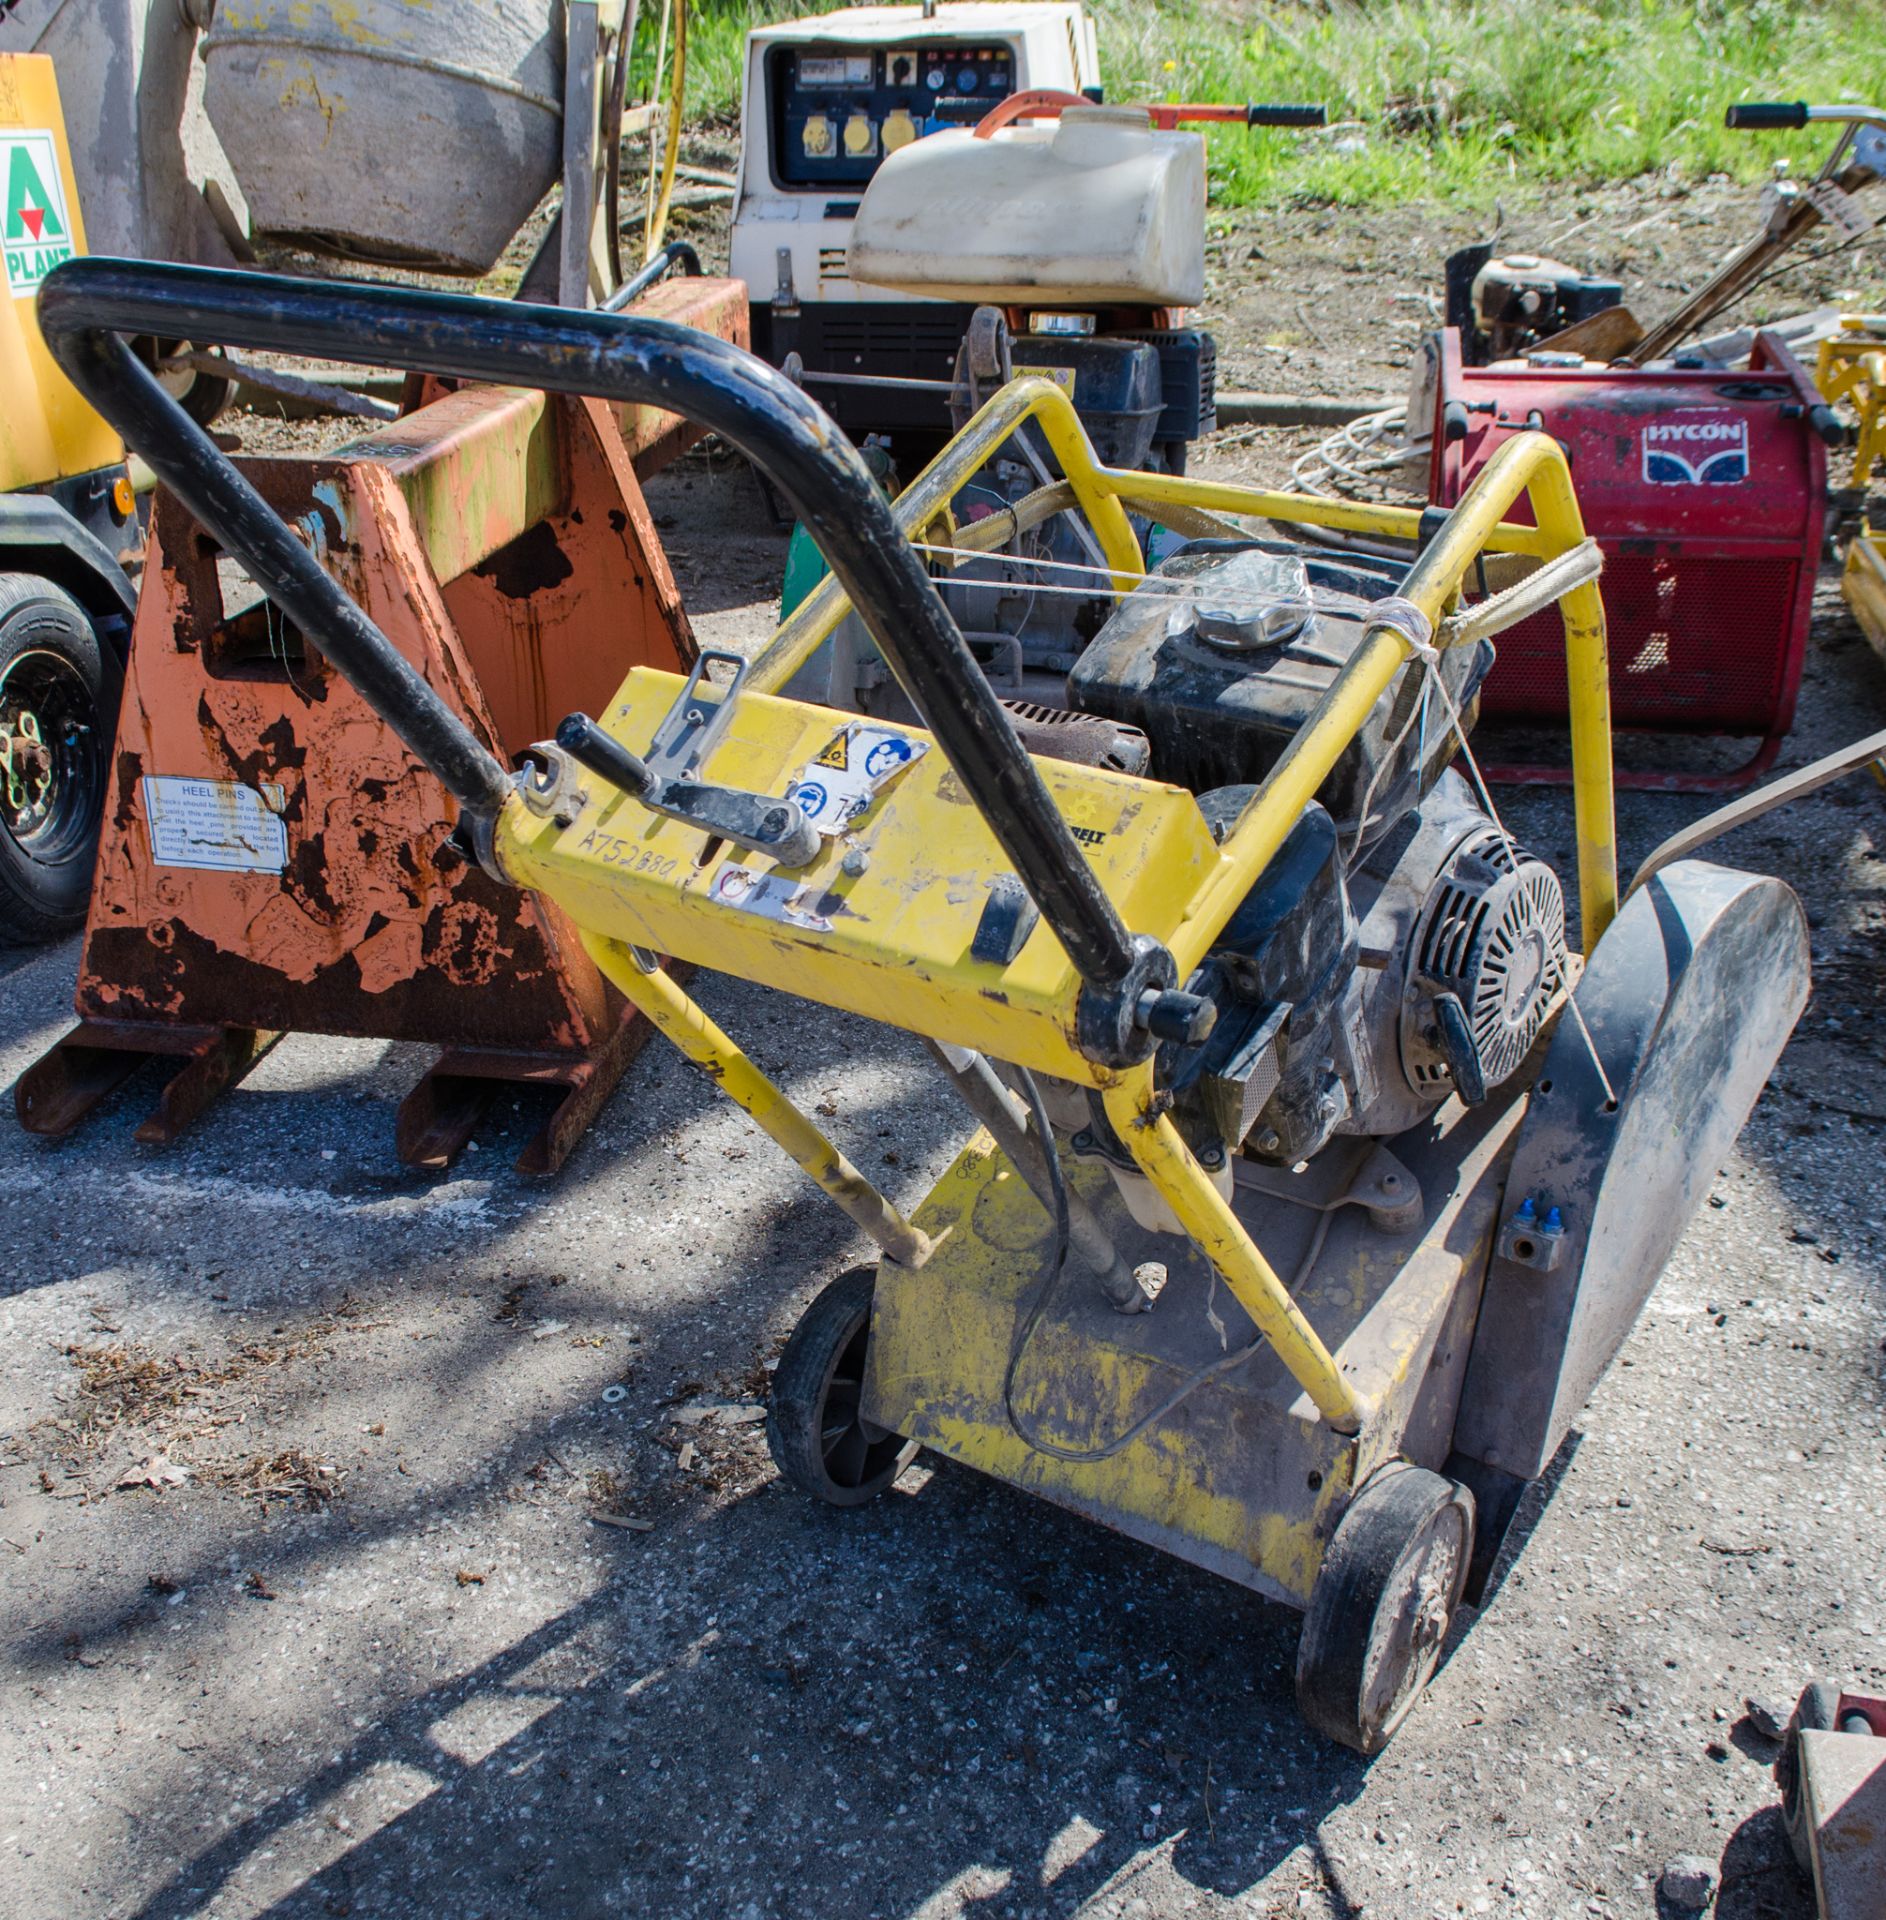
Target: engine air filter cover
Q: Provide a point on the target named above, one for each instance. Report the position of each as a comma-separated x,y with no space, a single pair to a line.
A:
1493,935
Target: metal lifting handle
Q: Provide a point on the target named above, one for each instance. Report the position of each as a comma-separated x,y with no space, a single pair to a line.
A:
86,304
1048,103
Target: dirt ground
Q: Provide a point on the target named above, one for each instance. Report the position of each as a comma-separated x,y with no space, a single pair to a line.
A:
364,1649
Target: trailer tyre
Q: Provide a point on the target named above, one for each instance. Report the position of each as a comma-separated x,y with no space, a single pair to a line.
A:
56,725
815,1429
1818,1710
203,395
1382,1604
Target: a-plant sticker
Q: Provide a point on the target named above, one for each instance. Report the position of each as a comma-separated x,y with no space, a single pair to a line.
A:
1701,449
36,229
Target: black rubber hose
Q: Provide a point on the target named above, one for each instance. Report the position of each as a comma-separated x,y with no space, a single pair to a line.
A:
677,253
85,303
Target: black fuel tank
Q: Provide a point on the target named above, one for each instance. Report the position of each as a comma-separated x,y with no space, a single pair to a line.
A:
1226,650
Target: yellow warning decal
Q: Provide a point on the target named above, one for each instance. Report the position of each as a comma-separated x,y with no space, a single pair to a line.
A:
838,754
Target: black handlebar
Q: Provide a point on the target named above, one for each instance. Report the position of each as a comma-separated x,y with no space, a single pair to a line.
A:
1283,116
86,305
1756,115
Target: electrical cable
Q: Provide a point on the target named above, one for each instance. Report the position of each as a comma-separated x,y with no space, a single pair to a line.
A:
1049,1284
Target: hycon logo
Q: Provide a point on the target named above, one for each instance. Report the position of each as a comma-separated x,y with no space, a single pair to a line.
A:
1697,450
35,230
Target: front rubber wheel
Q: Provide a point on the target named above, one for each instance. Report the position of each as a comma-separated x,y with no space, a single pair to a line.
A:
56,727
815,1426
1382,1604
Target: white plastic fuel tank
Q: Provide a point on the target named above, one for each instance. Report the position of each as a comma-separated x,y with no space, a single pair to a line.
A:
1098,207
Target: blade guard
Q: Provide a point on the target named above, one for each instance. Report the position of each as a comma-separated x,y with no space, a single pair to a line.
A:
1690,997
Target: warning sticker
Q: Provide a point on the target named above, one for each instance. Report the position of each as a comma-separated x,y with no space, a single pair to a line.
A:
215,825
850,772
773,896
1700,448
35,227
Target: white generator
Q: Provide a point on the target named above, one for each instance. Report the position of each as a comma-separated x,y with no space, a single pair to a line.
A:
825,99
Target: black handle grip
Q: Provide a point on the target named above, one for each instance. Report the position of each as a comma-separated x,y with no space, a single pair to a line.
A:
1285,116
586,743
1753,115
1454,421
1828,424
1184,1018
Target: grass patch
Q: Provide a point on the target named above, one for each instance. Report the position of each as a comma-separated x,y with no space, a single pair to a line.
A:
1454,98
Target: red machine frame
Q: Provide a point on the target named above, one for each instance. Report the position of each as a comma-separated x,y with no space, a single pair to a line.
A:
1707,491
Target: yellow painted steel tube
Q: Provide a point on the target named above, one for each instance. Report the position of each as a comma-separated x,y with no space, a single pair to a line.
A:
813,621
990,428
1535,464
1290,787
1095,487
941,481
1147,490
1097,492
1528,462
658,997
1863,584
1206,1216
1588,682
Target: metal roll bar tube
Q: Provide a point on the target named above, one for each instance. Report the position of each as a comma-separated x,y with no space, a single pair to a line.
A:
85,305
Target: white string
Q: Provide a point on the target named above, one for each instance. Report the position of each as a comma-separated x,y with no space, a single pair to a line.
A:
1168,587
1029,560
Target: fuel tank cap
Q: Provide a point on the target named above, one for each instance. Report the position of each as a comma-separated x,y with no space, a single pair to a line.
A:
1255,600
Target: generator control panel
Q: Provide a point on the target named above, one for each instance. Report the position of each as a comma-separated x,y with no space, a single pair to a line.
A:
836,110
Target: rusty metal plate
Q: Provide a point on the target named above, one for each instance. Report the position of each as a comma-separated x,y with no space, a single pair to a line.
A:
291,868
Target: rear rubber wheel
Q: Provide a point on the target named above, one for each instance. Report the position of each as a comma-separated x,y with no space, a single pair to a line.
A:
1382,1604
1817,1710
56,726
815,1426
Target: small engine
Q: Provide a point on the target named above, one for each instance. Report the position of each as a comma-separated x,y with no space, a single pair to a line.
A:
1505,304
1399,948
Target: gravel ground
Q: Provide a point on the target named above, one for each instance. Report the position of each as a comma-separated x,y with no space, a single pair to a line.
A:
363,1648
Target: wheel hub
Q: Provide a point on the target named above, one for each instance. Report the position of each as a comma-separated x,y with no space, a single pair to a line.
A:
26,770
49,768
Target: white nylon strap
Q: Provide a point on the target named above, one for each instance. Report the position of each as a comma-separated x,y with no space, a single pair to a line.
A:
1542,587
